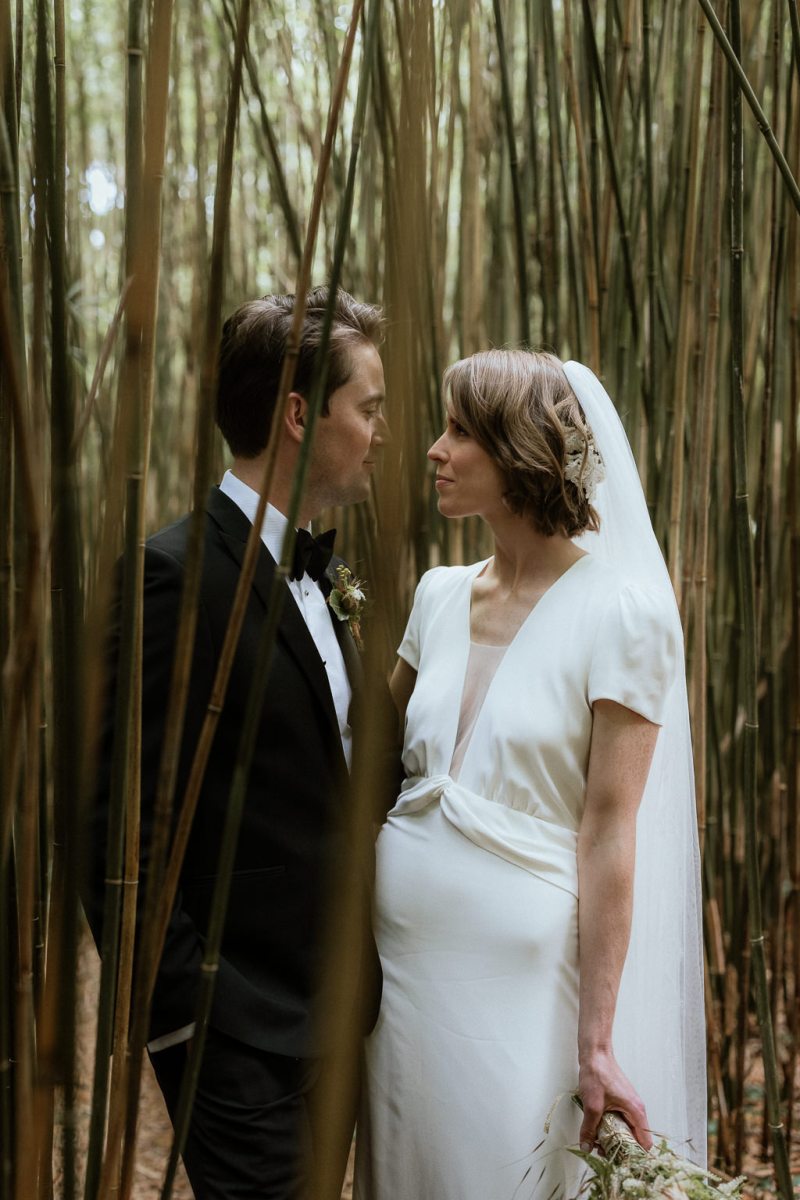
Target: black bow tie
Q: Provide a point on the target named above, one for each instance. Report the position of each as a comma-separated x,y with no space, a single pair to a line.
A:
312,555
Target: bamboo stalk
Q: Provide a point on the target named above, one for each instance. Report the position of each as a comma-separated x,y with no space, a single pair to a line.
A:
589,248
650,223
685,322
702,496
746,89
241,598
744,548
520,240
260,677
561,157
605,109
67,626
145,175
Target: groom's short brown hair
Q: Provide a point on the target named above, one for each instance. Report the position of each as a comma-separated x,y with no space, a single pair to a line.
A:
252,351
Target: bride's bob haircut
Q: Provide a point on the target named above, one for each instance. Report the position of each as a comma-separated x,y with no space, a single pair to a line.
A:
519,406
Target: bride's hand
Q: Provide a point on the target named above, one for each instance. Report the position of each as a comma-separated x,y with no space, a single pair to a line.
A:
603,1087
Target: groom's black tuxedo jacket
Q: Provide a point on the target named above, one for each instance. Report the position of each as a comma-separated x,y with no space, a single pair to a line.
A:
290,850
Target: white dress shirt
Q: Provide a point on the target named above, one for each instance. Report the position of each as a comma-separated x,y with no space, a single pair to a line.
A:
308,596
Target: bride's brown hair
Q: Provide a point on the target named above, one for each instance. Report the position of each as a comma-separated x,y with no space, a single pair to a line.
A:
519,406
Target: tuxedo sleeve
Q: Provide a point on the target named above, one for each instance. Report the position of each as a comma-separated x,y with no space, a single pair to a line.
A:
174,998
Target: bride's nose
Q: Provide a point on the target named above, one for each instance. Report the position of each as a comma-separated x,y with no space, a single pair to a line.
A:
437,452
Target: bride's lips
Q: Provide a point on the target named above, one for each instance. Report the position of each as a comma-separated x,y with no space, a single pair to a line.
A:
441,480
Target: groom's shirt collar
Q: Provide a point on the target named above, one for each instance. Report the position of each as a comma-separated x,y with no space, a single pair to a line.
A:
274,525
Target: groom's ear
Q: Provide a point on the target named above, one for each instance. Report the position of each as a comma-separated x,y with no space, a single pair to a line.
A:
295,419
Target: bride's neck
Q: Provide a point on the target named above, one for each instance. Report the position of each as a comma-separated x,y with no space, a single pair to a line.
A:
525,558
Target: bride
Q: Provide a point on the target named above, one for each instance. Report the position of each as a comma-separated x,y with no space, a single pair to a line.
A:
537,908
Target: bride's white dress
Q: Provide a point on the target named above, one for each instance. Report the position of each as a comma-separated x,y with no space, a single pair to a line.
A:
476,891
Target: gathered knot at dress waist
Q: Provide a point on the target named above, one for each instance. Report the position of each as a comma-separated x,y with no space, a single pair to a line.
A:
541,847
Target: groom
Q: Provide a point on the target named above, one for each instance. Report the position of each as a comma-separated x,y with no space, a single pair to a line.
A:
252,1126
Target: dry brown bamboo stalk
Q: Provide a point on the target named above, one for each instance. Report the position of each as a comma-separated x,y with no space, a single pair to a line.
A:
712,253
685,330
586,223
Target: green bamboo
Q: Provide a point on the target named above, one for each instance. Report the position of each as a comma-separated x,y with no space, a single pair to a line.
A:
520,240
744,547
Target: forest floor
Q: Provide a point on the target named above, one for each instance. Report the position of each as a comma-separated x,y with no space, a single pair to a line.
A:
155,1131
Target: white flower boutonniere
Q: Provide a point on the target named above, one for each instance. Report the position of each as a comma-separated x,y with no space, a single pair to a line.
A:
347,599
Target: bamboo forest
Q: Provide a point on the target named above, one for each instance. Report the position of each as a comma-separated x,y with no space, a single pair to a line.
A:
615,181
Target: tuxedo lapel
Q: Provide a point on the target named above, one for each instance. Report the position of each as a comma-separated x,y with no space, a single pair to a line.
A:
292,629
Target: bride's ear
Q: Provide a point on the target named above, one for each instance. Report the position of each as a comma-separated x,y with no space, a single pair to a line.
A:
294,420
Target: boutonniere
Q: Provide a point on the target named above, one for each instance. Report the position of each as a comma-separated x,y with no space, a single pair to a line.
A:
347,599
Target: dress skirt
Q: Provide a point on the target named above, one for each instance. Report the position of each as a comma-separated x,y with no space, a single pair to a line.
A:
476,1043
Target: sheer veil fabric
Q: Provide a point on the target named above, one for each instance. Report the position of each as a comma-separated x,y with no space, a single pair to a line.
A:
659,1030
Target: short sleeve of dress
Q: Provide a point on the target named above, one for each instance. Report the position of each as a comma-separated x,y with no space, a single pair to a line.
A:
635,655
410,647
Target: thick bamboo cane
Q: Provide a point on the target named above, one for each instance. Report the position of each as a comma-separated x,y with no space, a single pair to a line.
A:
793,690
702,497
685,323
744,548
20,704
67,631
145,165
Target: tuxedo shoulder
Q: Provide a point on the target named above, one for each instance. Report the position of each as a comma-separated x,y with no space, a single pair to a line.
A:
171,541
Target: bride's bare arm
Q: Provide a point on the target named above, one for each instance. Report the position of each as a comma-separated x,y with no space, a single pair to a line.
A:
401,685
619,760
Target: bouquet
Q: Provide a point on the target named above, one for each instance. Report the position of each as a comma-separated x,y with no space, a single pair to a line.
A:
626,1171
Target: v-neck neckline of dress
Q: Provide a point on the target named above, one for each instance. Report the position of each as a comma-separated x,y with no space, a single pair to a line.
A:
526,619
466,640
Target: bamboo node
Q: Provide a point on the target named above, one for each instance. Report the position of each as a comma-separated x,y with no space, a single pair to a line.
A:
755,941
209,968
134,52
215,708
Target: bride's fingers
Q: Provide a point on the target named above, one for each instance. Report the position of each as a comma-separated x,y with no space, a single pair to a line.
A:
592,1112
